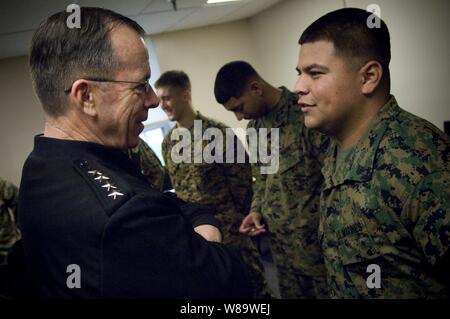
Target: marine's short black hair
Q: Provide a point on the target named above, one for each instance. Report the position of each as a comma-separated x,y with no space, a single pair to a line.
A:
350,32
231,80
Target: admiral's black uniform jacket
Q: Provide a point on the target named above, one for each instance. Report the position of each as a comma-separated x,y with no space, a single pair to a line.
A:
94,228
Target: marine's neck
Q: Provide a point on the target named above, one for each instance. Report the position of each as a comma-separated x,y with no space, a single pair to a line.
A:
273,96
357,126
187,121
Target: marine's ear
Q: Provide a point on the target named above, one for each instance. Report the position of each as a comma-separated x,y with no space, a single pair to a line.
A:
370,75
186,94
255,87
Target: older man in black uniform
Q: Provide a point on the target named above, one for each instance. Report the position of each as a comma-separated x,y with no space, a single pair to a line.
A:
92,225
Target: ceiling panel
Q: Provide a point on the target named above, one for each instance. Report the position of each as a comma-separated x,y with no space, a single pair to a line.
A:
19,19
207,16
16,16
160,22
123,7
165,5
249,9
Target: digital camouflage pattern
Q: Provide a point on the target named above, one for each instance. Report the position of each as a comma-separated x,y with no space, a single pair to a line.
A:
9,233
289,200
148,163
388,205
225,187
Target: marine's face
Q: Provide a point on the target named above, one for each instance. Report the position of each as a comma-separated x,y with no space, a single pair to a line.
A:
327,88
249,106
125,106
173,102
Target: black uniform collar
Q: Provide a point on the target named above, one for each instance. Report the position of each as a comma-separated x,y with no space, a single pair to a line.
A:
52,147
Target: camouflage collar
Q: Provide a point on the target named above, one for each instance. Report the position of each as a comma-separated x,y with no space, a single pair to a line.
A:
198,117
359,167
278,116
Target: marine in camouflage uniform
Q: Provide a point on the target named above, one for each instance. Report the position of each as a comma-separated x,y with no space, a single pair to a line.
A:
289,200
388,203
225,187
149,165
9,233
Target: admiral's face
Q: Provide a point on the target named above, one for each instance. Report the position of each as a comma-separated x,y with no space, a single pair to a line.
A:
125,106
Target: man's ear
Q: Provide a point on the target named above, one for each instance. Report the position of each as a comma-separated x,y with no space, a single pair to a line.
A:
186,95
83,96
371,74
255,87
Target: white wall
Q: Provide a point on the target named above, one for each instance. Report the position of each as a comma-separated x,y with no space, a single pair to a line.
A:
156,114
200,53
276,32
420,45
21,117
420,66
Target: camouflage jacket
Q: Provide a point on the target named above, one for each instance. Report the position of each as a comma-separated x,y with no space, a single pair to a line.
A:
9,233
289,198
223,186
149,164
389,205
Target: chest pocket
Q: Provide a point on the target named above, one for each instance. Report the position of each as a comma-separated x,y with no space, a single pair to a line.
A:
357,247
355,241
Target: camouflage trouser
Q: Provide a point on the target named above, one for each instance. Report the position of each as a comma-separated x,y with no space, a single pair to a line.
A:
9,233
230,222
299,276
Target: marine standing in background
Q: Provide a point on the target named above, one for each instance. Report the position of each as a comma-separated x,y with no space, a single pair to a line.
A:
225,187
9,233
287,200
149,165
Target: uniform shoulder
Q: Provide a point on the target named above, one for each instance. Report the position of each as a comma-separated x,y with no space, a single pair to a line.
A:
167,137
295,114
295,124
7,190
253,123
110,188
213,123
415,144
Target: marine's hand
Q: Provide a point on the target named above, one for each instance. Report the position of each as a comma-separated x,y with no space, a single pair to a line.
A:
209,232
251,225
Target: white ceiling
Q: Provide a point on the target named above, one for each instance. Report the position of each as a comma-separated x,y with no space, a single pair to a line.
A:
19,19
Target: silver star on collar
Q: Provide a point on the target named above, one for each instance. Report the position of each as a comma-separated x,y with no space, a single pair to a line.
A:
109,186
98,176
114,194
101,177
